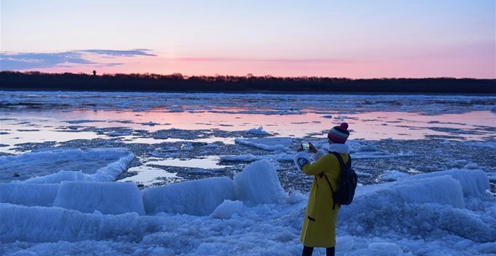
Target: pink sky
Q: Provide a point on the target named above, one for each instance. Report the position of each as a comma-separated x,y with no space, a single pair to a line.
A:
473,63
354,39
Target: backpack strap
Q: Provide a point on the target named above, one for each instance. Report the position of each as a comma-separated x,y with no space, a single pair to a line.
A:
332,191
340,159
341,163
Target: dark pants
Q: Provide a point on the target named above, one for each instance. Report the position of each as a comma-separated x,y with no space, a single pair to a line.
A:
307,251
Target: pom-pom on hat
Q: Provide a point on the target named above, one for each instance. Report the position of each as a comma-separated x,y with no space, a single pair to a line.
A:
339,134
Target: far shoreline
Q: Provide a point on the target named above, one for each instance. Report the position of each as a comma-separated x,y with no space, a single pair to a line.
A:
261,92
176,83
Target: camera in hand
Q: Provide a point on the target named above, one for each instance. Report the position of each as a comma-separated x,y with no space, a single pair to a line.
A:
305,145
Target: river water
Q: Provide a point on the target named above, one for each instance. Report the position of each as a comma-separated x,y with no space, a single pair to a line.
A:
139,121
25,123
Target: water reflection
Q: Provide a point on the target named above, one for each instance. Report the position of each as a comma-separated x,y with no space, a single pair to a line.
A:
147,175
60,126
210,162
135,139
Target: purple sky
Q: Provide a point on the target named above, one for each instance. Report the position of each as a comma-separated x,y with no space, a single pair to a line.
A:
356,39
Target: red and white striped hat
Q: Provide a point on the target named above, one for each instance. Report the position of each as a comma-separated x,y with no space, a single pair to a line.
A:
339,134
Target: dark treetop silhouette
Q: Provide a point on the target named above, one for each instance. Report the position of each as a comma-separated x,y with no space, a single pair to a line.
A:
33,80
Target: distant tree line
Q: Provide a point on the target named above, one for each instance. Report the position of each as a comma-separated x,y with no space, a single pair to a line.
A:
33,80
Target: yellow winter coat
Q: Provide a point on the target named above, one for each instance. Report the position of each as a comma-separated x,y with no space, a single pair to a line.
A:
319,225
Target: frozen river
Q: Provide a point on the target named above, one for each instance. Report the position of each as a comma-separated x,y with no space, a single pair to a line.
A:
159,126
62,116
78,168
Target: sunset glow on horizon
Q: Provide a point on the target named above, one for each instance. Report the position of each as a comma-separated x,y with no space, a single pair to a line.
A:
357,39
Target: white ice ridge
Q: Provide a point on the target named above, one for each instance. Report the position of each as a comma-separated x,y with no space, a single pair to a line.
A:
57,165
426,203
423,204
257,184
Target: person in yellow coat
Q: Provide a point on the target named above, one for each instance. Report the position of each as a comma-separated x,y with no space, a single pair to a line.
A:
319,224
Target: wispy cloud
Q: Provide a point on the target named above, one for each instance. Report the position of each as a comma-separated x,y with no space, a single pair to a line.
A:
33,60
323,60
120,53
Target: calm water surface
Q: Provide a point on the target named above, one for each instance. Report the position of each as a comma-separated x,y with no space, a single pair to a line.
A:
59,126
57,117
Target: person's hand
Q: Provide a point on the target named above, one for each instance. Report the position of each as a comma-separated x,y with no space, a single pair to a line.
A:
311,149
300,149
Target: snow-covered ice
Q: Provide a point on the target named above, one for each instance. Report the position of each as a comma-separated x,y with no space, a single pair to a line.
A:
55,165
102,197
442,213
202,196
73,200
